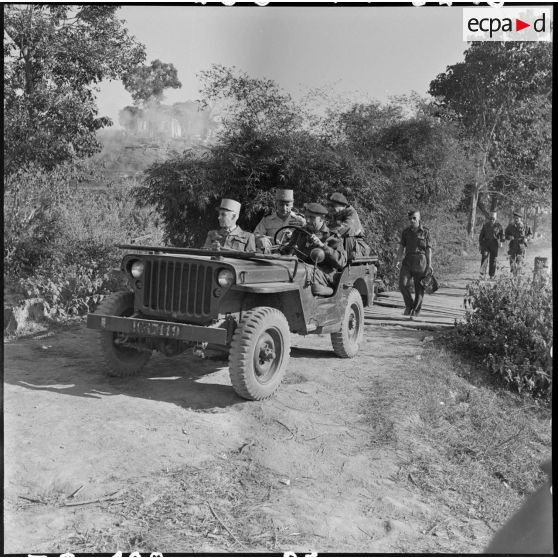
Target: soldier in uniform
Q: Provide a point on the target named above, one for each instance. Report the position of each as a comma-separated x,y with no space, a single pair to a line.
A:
346,223
321,275
490,238
517,233
230,235
281,217
415,257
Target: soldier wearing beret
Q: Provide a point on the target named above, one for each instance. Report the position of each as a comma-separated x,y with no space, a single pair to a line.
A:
230,235
490,238
317,235
283,216
415,257
346,223
517,233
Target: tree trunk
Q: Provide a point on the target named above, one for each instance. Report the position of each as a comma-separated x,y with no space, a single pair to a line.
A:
473,211
535,222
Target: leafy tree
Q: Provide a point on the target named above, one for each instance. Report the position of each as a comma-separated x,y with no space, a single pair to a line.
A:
486,94
54,57
248,103
262,144
147,83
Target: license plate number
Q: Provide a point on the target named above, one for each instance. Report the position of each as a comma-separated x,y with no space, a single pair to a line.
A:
156,330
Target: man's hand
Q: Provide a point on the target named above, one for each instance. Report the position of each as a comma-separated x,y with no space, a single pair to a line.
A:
316,241
215,245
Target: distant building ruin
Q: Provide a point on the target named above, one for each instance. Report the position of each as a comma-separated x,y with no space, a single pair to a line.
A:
187,121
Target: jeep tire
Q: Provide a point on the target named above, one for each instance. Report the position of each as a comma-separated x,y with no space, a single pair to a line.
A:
346,342
259,353
119,361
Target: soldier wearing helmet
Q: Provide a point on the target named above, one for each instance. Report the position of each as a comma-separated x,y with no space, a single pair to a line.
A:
283,216
344,220
230,235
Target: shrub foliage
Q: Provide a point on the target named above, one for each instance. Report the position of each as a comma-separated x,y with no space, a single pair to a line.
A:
509,326
60,231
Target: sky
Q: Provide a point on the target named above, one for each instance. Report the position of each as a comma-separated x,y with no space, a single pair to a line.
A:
372,51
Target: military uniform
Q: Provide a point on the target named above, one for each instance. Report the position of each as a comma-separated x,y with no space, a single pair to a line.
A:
517,234
414,265
489,239
235,239
335,256
346,223
269,225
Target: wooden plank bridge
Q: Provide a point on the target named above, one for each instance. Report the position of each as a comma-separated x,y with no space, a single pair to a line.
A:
439,310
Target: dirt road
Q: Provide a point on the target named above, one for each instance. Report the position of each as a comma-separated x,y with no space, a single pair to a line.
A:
314,468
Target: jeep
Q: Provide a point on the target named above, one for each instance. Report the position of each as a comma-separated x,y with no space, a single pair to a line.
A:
246,304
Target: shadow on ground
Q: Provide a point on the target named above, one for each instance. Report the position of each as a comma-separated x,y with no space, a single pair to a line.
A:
67,364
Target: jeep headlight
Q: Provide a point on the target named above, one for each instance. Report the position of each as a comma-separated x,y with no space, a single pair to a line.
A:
225,278
137,269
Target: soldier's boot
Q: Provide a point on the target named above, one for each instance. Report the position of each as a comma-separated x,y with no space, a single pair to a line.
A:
321,290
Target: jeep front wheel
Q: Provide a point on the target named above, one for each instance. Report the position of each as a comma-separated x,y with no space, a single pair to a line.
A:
259,353
120,357
346,342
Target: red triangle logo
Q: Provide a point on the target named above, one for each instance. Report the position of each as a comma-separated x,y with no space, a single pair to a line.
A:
519,24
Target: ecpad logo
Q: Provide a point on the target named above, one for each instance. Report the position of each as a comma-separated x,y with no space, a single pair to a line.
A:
507,24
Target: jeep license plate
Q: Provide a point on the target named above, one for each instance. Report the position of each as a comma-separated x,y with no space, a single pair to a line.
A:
155,330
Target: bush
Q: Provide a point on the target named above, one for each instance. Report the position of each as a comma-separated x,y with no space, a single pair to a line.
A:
70,291
60,232
509,326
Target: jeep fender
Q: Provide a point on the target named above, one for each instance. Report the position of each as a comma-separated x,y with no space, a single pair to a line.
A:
286,297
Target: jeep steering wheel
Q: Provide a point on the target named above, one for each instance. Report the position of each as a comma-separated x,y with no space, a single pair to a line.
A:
288,227
300,255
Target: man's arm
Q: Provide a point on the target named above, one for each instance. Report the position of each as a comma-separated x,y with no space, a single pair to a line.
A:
428,250
210,239
260,229
336,257
429,257
251,244
501,236
509,232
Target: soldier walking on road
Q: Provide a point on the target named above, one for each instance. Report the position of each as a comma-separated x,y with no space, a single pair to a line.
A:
517,233
230,235
281,217
415,257
490,238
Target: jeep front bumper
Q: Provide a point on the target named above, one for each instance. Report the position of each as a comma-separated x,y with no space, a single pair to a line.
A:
139,327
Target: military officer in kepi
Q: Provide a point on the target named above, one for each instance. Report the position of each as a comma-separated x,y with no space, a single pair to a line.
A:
517,233
230,235
316,235
344,220
415,264
490,238
283,216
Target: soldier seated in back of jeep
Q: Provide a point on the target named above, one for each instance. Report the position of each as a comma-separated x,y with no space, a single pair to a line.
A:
315,235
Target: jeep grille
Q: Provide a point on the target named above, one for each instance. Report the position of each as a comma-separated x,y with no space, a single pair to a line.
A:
175,286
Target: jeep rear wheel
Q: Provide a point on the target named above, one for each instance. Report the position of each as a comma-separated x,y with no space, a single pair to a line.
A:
259,353
120,359
346,342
